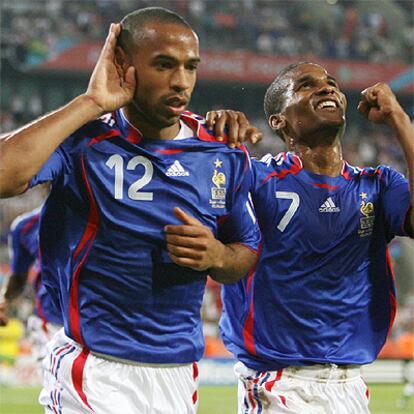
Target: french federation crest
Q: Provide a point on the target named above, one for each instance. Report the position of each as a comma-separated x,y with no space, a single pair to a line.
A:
218,193
366,223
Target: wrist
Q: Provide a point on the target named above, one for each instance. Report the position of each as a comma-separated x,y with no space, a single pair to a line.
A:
219,257
89,107
398,118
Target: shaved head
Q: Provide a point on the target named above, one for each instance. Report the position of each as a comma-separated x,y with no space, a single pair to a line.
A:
134,25
275,97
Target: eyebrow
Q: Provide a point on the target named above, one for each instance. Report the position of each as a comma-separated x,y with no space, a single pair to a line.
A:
168,57
310,78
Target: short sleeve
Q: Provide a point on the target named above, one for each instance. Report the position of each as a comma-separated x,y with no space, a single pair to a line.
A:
240,226
58,163
395,200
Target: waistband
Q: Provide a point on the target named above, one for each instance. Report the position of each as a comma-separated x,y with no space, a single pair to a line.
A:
62,337
323,372
135,363
316,372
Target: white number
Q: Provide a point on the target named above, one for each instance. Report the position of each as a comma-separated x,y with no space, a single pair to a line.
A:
290,211
117,161
137,185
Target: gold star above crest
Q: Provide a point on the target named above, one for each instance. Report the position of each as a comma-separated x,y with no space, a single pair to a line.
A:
217,163
363,195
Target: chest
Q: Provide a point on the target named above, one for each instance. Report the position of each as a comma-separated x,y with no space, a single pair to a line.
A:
320,214
147,183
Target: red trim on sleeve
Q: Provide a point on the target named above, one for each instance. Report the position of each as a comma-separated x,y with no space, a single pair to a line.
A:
248,327
391,286
77,375
294,169
169,151
103,136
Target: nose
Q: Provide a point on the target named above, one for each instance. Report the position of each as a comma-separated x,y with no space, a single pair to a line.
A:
325,89
180,80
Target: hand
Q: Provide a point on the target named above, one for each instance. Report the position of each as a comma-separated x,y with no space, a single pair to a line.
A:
239,127
379,104
108,87
192,244
3,313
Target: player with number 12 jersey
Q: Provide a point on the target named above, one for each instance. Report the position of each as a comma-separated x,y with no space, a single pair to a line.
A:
102,234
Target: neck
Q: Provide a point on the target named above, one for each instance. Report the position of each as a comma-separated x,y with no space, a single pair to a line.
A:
147,127
321,159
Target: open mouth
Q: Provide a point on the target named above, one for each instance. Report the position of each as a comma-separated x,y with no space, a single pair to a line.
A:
327,104
176,105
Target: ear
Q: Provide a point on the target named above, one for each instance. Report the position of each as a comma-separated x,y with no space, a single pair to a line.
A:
122,61
277,122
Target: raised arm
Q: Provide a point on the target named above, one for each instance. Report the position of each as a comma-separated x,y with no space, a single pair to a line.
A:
24,151
379,104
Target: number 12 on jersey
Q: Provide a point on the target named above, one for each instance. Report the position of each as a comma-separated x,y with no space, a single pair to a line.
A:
116,162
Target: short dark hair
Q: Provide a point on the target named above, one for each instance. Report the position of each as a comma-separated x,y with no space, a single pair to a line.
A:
133,25
275,97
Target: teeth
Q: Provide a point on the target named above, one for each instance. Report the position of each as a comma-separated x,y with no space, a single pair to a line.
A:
326,104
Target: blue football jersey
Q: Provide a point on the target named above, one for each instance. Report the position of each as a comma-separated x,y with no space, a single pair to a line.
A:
24,253
103,242
323,290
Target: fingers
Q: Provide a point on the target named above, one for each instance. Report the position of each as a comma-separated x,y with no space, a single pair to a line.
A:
253,135
108,49
220,124
185,218
378,102
129,79
211,119
185,252
363,107
187,262
238,127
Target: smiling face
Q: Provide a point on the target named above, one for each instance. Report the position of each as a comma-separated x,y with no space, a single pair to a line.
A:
165,61
313,104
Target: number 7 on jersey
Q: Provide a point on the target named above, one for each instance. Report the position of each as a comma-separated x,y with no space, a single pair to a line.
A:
286,195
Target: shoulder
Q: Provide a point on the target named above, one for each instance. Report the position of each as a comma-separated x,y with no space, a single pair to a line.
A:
382,173
91,132
280,166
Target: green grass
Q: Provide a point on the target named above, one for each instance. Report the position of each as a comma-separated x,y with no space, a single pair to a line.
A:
213,400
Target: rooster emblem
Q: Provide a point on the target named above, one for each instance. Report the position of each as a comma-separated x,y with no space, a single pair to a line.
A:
366,208
218,179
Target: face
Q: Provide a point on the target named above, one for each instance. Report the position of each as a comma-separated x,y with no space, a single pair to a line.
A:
166,62
313,103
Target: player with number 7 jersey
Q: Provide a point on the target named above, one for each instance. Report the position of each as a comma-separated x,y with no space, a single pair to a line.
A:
322,298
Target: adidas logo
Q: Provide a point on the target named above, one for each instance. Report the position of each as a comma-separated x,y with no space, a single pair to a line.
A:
329,207
177,170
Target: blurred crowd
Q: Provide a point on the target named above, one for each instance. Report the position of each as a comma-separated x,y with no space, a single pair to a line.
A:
375,31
